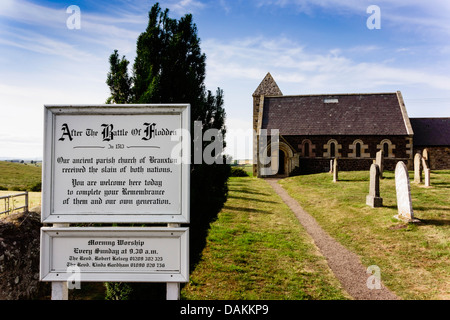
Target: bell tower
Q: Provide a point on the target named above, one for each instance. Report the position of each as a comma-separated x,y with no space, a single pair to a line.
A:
267,87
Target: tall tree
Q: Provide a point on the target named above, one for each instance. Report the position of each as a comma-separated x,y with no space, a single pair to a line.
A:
170,68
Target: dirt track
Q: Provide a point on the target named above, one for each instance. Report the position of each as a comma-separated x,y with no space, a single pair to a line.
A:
345,265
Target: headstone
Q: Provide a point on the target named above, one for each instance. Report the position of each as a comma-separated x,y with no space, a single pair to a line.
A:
331,166
379,161
417,168
335,170
426,168
426,156
427,177
373,199
403,190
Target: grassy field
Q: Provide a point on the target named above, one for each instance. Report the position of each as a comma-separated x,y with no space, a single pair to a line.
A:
16,178
414,259
257,250
19,176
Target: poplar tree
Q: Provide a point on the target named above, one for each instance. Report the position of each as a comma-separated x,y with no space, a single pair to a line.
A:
170,68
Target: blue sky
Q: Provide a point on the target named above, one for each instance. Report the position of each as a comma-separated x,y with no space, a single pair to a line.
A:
321,46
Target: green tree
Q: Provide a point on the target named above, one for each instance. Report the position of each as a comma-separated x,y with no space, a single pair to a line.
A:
170,68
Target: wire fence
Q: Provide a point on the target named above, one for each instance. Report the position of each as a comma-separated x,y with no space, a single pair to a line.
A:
10,203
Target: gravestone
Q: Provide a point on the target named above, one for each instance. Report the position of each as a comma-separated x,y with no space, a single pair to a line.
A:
426,156
426,167
417,168
331,166
373,199
379,161
427,177
403,190
335,170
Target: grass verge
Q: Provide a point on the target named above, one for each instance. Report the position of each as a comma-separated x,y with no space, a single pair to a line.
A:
413,258
257,250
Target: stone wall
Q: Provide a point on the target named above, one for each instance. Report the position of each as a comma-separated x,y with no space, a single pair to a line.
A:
19,257
317,158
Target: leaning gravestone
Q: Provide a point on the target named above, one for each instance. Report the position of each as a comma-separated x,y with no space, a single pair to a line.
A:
425,155
373,199
335,170
379,161
403,189
331,166
417,168
426,168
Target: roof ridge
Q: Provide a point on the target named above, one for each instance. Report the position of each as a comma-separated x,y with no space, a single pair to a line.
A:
330,94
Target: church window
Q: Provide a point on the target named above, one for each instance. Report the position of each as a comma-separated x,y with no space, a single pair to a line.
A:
332,150
358,150
307,149
386,148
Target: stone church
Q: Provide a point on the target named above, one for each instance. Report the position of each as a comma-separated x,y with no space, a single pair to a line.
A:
313,129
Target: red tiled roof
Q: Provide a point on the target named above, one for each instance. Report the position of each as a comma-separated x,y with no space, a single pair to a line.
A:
339,114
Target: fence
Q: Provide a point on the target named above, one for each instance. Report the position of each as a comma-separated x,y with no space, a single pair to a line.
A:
10,205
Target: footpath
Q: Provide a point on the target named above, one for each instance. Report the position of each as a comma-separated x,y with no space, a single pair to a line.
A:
345,265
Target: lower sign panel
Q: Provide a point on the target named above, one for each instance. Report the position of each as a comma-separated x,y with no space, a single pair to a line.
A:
115,254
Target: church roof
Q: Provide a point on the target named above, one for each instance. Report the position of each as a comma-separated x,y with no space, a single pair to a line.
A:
431,131
337,114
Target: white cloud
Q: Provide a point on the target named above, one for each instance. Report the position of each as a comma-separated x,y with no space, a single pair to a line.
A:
326,71
183,7
408,14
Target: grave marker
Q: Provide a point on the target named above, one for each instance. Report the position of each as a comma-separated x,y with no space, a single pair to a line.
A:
335,170
426,168
403,190
379,161
417,168
373,199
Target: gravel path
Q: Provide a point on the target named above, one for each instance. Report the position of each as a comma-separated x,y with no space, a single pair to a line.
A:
345,265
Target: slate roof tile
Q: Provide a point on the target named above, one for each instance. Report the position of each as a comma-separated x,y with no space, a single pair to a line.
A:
353,114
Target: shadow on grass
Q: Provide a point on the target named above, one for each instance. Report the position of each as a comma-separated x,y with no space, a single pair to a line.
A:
435,222
242,209
251,199
249,192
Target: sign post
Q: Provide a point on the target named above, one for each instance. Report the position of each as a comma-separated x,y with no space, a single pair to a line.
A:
116,164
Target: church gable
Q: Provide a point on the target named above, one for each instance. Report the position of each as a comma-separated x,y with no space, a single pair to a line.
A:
268,87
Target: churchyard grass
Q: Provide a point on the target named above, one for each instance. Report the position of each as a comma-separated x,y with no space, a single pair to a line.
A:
413,258
257,250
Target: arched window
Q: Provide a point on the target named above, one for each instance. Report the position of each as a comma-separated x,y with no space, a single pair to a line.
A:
358,150
306,150
332,150
386,149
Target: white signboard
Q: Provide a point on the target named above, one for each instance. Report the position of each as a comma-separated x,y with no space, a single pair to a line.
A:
116,163
115,254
